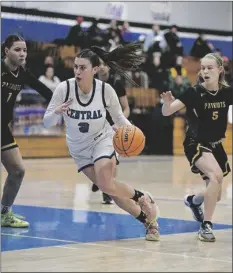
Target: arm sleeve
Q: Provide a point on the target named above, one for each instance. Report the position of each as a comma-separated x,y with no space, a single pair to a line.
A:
50,117
37,85
114,107
188,97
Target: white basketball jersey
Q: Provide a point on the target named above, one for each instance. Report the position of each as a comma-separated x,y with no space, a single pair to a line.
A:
86,118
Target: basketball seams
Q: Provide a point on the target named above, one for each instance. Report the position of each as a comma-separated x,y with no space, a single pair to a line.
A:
123,151
116,147
122,139
138,146
132,138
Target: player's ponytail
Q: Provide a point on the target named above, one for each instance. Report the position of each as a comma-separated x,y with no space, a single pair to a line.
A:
121,60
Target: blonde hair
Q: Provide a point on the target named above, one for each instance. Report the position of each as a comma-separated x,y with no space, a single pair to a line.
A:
221,81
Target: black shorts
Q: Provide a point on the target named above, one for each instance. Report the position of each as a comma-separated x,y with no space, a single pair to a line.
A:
194,149
7,139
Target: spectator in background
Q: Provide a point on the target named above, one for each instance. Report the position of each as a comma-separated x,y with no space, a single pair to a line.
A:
201,47
174,55
178,85
49,79
155,36
158,75
113,34
228,70
76,35
124,28
49,61
95,35
139,77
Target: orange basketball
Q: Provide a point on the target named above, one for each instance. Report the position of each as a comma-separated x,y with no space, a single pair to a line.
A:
129,140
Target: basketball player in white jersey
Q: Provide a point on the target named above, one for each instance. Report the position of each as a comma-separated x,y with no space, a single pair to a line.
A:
83,101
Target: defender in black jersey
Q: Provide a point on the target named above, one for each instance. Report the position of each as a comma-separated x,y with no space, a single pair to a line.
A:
110,78
13,78
207,106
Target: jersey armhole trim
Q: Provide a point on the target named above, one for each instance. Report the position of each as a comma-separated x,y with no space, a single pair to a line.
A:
103,97
67,91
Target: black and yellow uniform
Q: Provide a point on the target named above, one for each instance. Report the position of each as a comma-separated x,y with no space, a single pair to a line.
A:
206,116
12,83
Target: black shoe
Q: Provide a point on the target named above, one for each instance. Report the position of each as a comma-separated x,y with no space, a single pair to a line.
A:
107,199
197,211
206,233
94,188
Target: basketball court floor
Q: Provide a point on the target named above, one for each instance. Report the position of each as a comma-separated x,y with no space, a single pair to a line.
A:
71,231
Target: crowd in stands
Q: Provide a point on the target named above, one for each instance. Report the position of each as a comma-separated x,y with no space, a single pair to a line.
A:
163,51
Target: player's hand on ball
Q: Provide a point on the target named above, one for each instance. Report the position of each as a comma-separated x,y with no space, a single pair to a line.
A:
114,127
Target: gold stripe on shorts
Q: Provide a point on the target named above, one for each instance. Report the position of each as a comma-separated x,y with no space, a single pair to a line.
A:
197,154
9,145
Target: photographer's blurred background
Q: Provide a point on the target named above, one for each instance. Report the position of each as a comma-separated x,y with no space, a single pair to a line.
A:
173,35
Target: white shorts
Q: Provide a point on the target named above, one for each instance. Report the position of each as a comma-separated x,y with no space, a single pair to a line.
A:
101,148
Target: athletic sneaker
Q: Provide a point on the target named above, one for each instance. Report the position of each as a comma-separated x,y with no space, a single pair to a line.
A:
206,233
10,220
149,207
107,200
197,211
152,231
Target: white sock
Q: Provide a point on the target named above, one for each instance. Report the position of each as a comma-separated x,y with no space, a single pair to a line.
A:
198,199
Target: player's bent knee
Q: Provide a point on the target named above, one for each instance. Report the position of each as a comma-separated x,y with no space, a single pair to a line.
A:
216,177
108,188
18,173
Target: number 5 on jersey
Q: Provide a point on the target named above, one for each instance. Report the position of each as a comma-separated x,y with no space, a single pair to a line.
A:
215,115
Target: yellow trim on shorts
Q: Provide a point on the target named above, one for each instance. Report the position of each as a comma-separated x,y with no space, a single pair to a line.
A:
226,170
197,154
206,148
9,145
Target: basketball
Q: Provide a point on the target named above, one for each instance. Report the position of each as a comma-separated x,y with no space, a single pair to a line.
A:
129,141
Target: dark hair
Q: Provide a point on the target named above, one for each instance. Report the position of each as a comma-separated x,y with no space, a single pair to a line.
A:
8,43
46,68
121,60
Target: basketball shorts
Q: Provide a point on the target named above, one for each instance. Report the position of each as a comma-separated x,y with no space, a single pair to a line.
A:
193,151
100,148
7,139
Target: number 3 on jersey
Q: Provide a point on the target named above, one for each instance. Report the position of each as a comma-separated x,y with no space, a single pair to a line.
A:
215,115
83,127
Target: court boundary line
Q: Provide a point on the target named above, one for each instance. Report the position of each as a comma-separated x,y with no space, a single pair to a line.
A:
111,246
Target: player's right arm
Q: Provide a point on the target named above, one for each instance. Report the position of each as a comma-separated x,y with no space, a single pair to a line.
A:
188,99
57,106
171,105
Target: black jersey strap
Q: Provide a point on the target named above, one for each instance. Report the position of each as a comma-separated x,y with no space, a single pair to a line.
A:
103,97
67,91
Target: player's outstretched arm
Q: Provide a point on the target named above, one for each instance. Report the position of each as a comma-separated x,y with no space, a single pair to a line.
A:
171,105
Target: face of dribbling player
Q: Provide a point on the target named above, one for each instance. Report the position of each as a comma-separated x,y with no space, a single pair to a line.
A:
84,71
